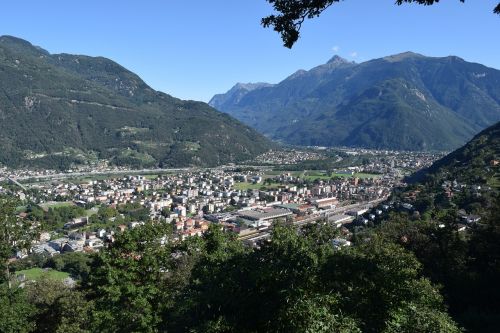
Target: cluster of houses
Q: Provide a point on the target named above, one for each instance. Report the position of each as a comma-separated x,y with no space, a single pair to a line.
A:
73,242
190,200
451,188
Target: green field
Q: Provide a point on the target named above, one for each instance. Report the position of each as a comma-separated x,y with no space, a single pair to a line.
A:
37,273
272,173
249,186
55,204
20,209
358,175
92,211
494,181
312,175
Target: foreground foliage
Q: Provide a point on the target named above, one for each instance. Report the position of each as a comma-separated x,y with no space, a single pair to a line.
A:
402,276
298,282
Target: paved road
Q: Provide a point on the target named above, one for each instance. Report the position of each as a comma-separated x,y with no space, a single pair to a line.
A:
16,182
98,173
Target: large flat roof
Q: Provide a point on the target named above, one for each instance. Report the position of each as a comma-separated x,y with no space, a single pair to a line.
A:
264,214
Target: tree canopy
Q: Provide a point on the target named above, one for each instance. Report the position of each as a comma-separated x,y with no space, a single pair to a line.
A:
15,235
292,13
406,274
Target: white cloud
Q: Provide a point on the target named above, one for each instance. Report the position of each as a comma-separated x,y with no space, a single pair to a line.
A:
354,54
336,48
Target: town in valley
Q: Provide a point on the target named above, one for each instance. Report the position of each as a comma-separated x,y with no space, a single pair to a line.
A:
250,166
99,202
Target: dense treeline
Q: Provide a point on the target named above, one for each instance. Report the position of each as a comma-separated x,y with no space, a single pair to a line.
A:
466,265
54,218
298,282
407,274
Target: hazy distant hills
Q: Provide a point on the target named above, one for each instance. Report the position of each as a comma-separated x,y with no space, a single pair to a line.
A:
61,108
405,101
236,93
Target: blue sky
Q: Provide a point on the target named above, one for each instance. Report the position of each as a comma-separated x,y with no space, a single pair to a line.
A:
194,49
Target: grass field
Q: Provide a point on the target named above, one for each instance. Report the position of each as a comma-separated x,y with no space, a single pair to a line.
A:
20,209
312,175
249,186
358,175
494,181
37,273
272,173
92,211
54,204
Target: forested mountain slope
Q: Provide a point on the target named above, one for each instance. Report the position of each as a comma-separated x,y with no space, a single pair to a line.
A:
58,109
406,101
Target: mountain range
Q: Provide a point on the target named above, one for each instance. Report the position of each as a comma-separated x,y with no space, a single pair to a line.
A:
406,101
60,109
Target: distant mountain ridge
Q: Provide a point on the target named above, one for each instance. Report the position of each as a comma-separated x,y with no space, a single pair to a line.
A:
236,93
405,101
59,109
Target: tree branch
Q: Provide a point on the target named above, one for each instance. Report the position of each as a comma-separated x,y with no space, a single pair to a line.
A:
292,14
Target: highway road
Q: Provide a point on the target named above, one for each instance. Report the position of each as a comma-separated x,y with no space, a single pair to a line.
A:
126,172
64,175
99,173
